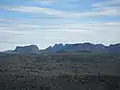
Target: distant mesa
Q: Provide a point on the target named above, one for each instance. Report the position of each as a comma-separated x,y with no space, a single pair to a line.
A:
27,49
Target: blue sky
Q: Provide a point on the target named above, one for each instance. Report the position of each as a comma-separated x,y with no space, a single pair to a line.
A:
46,22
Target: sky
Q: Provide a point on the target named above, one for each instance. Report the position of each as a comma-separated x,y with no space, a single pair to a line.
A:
46,22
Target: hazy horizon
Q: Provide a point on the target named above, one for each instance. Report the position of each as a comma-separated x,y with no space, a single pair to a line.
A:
47,22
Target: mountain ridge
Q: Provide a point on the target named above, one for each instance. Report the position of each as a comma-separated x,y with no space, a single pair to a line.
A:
59,48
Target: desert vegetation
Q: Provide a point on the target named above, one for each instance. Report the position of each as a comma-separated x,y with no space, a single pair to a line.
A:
60,71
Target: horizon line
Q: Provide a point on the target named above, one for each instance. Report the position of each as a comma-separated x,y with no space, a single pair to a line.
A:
58,44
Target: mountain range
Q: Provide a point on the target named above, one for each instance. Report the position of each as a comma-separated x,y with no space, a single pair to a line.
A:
60,48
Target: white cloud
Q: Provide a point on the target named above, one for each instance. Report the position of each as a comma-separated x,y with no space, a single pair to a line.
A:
65,28
65,32
107,3
110,28
1,19
47,1
64,14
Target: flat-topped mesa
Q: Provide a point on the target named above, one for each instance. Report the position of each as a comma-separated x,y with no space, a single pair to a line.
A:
27,49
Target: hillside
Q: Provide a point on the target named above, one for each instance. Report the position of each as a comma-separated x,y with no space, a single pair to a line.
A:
79,71
61,67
